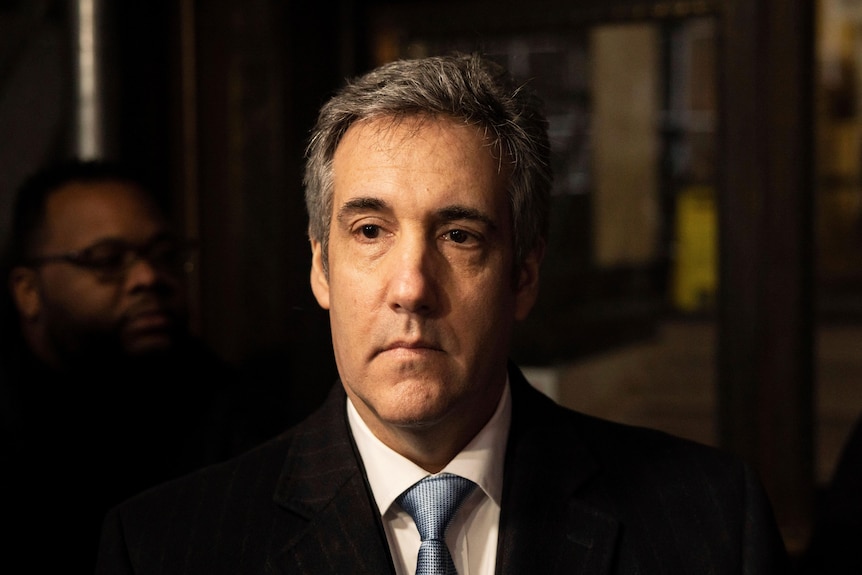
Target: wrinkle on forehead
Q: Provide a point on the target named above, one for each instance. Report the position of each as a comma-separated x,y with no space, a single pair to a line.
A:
385,128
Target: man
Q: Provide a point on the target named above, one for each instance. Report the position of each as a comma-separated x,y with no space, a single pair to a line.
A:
427,186
95,268
103,390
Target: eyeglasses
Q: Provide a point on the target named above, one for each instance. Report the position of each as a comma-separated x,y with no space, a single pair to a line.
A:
111,259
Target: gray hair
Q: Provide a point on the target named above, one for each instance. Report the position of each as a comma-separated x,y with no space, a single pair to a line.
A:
468,88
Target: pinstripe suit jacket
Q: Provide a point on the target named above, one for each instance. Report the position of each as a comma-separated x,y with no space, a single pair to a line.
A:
581,496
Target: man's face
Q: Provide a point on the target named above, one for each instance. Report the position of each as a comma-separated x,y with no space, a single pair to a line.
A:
420,288
78,310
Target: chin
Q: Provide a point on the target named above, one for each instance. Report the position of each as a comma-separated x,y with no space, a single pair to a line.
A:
419,408
150,344
415,421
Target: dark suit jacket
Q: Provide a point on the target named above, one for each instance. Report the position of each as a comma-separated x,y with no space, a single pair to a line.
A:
834,546
75,443
581,495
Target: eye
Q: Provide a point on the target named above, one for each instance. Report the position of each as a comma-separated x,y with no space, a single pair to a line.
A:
104,256
457,236
370,231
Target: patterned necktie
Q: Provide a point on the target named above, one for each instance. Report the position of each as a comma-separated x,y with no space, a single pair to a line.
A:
432,503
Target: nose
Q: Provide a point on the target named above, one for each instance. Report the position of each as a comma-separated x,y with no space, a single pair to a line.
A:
413,279
141,273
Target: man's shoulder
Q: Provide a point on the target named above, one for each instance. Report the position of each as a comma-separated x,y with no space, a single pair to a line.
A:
609,439
540,409
666,491
622,434
258,467
205,518
254,473
566,437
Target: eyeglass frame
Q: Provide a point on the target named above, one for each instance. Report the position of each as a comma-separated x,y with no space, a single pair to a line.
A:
131,254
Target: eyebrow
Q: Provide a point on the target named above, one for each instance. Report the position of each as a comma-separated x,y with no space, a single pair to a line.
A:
161,236
447,213
456,212
361,204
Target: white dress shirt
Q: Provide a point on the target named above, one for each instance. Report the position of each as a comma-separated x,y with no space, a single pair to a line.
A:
472,534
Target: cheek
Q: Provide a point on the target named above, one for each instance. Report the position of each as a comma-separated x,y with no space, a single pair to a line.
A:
348,314
485,307
79,296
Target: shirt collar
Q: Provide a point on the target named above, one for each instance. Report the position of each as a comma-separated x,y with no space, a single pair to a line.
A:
481,461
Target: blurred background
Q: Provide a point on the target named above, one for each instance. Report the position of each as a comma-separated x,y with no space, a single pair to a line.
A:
704,273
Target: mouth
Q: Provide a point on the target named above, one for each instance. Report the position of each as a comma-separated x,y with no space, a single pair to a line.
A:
409,348
150,321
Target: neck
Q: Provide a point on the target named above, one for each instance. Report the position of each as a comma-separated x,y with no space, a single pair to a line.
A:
431,446
430,449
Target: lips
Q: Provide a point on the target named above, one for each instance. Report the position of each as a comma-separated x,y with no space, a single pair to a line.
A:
151,320
409,347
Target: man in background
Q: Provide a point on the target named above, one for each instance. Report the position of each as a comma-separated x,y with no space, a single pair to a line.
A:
103,389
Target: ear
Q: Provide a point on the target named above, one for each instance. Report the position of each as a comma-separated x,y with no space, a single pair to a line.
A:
319,279
23,284
527,289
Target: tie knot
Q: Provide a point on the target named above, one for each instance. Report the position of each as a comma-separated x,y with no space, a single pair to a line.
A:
433,501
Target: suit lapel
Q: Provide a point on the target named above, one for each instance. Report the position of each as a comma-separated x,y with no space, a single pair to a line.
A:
544,526
324,488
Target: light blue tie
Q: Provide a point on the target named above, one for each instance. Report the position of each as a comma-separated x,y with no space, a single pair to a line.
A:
432,503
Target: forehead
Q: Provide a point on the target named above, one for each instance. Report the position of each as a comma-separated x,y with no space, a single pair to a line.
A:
409,158
80,213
